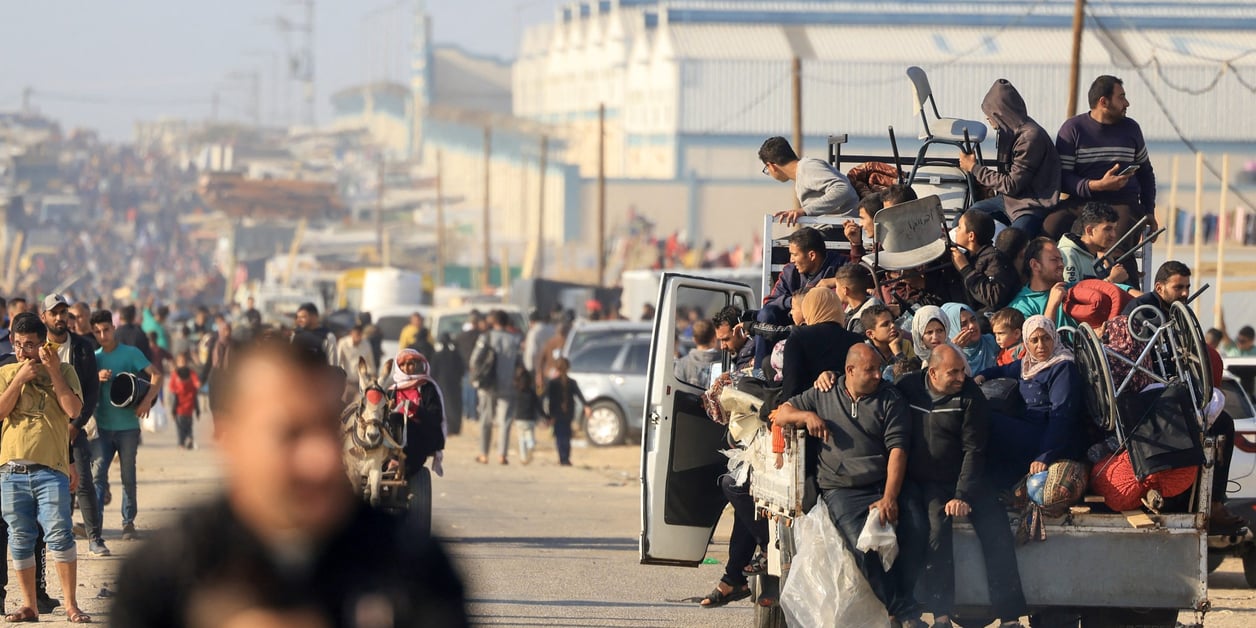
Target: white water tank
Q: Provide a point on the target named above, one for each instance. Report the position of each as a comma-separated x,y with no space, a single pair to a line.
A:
387,287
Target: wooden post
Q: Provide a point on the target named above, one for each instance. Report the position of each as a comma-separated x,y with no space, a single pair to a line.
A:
488,258
440,225
293,248
505,273
796,105
1221,236
379,208
1074,74
601,194
1199,216
1173,203
538,266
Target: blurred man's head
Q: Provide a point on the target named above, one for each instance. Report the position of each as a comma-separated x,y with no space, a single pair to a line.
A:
704,334
1246,338
82,319
102,329
17,305
307,316
416,319
127,314
277,424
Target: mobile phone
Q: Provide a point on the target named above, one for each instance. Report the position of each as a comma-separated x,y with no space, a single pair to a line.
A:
1130,169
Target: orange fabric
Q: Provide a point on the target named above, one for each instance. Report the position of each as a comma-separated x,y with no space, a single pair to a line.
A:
1113,479
1095,301
778,435
1010,355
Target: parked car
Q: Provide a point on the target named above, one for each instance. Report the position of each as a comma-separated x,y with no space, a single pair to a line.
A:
586,332
611,373
1238,404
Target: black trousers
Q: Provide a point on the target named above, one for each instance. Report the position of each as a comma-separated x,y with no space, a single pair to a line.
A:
848,508
85,497
934,560
747,535
1223,426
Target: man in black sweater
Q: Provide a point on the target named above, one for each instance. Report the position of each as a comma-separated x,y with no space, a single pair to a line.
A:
950,426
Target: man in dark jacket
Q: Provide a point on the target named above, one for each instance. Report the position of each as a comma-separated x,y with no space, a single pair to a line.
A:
78,352
990,279
950,426
129,333
809,262
1027,174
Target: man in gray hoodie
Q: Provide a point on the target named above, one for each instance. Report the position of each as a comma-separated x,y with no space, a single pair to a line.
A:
1026,177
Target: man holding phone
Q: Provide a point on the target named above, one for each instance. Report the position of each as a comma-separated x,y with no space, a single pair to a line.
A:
1104,159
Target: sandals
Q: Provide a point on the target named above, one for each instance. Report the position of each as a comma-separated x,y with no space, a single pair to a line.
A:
758,564
717,598
481,459
78,617
24,615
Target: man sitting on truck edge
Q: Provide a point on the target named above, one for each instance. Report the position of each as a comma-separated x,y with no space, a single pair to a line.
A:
821,189
864,428
945,471
810,262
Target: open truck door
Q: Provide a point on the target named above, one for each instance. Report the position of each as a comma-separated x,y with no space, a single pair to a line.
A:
680,446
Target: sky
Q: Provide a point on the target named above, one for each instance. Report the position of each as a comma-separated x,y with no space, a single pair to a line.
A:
105,64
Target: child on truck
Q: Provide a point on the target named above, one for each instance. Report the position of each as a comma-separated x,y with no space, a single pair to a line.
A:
1006,325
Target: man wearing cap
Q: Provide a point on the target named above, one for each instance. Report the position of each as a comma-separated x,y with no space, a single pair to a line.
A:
119,428
80,353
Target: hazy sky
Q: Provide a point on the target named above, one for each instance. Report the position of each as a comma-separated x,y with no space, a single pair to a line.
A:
106,63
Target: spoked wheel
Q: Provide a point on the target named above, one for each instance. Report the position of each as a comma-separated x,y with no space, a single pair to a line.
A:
1144,321
1191,353
1100,396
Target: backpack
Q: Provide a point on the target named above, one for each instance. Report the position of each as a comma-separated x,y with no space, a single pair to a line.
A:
484,364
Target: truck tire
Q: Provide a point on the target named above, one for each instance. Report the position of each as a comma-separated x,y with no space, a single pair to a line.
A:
1249,568
1215,558
771,615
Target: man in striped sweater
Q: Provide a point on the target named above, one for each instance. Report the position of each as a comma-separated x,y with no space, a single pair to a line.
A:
1097,150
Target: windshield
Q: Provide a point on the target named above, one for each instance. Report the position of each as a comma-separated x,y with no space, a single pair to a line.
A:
1237,405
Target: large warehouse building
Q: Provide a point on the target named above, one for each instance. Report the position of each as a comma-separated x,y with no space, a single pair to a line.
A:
691,87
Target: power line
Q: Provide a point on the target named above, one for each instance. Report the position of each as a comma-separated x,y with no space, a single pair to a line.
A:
1164,109
1130,26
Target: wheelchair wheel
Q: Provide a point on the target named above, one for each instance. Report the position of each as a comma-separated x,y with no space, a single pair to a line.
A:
1191,352
1100,396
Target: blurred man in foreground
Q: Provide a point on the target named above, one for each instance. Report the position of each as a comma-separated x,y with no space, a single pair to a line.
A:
287,544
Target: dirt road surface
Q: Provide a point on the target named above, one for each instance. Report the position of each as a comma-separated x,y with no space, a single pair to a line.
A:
539,545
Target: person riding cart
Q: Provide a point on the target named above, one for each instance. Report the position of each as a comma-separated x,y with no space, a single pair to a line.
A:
418,418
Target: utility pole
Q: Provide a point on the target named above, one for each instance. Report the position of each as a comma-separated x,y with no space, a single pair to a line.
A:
440,225
379,206
796,84
601,194
539,266
1074,74
488,258
308,76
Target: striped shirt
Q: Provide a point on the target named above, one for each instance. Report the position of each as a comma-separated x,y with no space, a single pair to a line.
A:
1088,149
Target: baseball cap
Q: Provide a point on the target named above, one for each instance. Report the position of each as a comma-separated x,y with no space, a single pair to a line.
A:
53,300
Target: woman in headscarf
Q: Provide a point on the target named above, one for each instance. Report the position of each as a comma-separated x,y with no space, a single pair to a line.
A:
818,346
417,400
930,327
1051,428
981,350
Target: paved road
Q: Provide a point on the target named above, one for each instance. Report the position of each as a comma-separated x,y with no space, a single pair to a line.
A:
539,545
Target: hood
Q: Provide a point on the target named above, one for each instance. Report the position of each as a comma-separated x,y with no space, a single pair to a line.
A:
1072,241
1005,107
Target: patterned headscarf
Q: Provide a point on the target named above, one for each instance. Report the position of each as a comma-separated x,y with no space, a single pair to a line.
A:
1031,366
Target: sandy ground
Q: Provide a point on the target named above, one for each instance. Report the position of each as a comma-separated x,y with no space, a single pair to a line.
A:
538,545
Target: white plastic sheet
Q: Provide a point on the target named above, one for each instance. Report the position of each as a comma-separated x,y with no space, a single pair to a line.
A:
158,417
880,538
825,588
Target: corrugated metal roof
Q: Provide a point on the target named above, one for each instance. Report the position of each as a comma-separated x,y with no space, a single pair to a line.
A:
728,41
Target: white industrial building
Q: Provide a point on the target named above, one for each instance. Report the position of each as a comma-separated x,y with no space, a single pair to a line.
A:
692,87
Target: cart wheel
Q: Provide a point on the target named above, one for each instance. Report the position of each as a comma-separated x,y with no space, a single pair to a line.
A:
420,511
1192,352
1144,321
1100,398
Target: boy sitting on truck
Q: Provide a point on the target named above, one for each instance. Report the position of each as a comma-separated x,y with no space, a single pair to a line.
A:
1081,252
853,282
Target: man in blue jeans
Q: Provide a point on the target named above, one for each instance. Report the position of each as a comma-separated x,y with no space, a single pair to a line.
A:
38,395
119,428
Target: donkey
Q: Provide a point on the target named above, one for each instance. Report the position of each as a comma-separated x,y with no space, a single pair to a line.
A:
368,443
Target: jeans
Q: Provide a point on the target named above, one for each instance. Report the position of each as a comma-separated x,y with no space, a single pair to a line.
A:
527,438
125,444
773,314
562,440
747,535
502,414
470,400
848,508
183,425
934,561
88,503
31,500
1030,223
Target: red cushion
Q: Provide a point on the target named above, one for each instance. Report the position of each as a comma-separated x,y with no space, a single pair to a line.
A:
1094,301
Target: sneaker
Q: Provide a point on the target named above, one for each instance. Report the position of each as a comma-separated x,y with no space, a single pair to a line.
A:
80,532
45,603
128,532
97,548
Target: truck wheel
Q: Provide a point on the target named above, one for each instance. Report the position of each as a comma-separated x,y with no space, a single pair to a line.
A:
1249,568
1215,558
606,425
770,616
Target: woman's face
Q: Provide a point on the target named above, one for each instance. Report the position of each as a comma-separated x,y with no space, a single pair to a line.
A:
1040,344
968,334
935,334
409,367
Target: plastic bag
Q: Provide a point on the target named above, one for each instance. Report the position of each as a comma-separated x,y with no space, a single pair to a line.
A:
158,419
880,538
825,588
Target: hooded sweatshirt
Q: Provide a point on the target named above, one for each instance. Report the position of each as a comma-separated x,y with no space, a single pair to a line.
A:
1028,169
1079,262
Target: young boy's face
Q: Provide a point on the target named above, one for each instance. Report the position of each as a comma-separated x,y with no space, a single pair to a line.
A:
795,313
865,220
885,331
1006,335
1102,235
